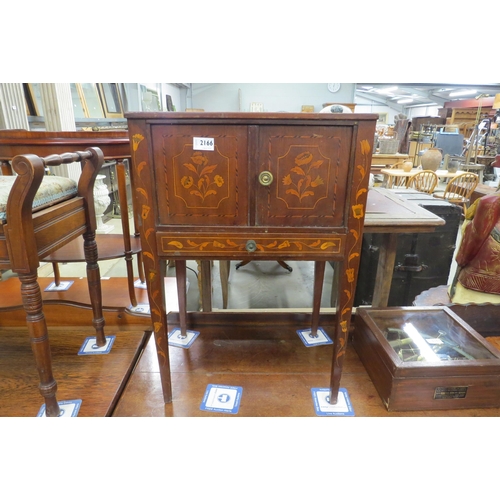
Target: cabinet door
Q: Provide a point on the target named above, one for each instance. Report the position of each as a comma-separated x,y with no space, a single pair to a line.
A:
201,174
310,169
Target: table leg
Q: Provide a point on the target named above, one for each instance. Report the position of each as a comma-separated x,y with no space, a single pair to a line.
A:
180,275
319,275
334,296
155,270
342,322
206,285
224,269
385,270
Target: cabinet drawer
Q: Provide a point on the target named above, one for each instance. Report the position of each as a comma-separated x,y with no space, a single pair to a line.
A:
250,245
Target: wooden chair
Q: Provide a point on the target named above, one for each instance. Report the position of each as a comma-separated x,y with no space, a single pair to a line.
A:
115,146
424,181
40,214
459,189
393,181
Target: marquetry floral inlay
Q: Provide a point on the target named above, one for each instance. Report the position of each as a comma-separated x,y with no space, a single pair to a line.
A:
303,177
332,245
353,255
200,181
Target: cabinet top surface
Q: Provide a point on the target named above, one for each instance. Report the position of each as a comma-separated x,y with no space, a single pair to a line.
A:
251,117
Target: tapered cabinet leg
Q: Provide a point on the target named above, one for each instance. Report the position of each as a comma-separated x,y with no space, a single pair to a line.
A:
224,269
37,329
206,285
180,274
156,271
319,275
342,324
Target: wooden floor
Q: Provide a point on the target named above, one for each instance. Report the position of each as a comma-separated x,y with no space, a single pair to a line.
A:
266,359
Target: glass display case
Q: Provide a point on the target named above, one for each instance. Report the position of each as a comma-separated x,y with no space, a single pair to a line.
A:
427,358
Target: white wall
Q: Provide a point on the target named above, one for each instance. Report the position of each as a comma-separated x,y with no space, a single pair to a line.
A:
367,106
177,94
423,111
288,97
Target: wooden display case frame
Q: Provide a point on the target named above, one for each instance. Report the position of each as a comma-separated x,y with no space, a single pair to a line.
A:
424,384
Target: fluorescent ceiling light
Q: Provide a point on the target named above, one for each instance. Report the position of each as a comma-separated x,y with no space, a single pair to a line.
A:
387,90
462,92
404,101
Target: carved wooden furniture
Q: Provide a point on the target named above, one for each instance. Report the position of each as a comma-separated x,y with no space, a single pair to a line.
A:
267,186
115,146
29,234
459,189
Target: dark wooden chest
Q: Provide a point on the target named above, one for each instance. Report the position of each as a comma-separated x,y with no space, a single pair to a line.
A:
423,260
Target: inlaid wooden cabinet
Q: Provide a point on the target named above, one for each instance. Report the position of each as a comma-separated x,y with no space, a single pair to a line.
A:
268,186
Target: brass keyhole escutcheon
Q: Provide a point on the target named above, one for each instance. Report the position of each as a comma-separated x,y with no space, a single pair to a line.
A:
266,178
251,246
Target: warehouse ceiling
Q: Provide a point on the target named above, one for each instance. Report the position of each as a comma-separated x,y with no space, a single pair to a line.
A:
404,95
400,96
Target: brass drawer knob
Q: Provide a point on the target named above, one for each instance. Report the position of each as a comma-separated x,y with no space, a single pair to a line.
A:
251,246
266,178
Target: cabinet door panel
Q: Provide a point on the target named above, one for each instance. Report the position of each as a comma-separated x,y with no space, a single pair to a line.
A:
196,186
310,174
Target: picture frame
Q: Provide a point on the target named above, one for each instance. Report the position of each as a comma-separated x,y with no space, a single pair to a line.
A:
33,99
111,100
383,117
92,104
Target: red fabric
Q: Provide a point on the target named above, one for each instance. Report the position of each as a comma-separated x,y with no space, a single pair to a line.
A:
479,252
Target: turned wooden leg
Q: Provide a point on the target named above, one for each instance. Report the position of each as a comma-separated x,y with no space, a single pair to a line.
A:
94,284
180,275
37,329
319,275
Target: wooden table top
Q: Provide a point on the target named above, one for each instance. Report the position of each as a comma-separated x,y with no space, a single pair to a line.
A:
382,159
399,172
386,212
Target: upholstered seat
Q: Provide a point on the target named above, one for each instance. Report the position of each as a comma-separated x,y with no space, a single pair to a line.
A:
52,190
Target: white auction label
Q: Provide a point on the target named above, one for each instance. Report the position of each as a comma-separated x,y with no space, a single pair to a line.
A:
203,143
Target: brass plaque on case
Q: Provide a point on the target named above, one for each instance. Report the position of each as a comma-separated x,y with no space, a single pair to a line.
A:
450,392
